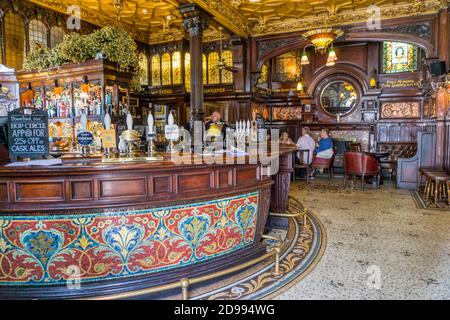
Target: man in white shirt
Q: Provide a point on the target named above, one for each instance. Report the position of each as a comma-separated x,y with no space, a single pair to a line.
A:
305,142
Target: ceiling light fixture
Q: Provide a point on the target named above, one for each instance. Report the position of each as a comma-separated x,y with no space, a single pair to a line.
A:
221,63
322,38
304,60
332,58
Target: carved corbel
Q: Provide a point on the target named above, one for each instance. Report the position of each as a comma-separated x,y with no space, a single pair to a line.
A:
195,19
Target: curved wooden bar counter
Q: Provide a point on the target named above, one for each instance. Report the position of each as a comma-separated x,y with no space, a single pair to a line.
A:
87,229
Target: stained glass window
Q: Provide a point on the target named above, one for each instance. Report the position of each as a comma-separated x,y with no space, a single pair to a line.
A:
213,69
287,68
56,35
227,76
156,70
399,57
187,71
14,40
264,74
176,67
205,69
37,33
166,70
143,69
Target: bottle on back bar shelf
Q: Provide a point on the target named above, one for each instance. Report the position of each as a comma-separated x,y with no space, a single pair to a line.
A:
62,110
99,107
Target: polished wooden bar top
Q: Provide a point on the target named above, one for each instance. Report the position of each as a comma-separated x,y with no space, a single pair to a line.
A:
88,183
74,164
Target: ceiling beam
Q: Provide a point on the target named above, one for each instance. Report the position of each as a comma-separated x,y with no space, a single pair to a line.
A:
226,15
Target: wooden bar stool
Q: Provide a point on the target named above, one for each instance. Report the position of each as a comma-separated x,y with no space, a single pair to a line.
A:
448,192
423,173
300,163
437,185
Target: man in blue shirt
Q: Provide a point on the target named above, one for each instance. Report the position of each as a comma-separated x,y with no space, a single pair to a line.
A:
324,147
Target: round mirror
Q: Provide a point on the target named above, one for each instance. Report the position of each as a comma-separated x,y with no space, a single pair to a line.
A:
339,97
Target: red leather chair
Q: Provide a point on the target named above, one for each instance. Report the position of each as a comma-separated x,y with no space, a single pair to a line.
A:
321,163
362,165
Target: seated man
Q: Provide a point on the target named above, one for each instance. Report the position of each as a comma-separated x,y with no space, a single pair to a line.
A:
305,142
325,145
215,128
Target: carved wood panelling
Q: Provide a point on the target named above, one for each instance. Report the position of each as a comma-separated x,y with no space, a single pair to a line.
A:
123,188
447,150
3,192
31,191
82,189
400,110
397,132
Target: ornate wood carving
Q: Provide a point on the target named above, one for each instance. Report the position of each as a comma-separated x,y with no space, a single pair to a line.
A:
421,30
282,183
399,110
268,45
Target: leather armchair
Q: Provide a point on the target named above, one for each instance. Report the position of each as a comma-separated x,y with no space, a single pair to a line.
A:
362,165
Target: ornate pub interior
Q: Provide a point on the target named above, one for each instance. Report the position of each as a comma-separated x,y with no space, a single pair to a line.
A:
128,135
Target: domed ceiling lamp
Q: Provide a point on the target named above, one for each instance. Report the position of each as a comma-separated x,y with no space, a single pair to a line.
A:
322,38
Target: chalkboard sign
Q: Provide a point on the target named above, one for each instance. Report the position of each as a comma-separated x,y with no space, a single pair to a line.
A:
28,133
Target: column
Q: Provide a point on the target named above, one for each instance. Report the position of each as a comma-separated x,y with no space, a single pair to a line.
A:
195,20
441,95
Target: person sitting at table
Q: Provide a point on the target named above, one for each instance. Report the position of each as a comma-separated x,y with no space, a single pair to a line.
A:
305,142
284,138
324,146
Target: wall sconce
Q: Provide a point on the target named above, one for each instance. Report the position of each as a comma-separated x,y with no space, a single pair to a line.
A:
332,58
300,83
304,60
373,79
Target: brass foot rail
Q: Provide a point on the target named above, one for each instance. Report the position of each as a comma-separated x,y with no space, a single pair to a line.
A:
184,283
295,209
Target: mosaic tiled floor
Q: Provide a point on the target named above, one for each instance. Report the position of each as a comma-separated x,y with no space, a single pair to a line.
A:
379,245
304,242
422,203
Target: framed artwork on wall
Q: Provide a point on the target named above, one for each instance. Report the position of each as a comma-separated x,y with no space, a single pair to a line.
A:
160,110
399,57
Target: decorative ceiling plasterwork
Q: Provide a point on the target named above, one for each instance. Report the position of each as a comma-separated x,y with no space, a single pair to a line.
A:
347,17
146,20
157,21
